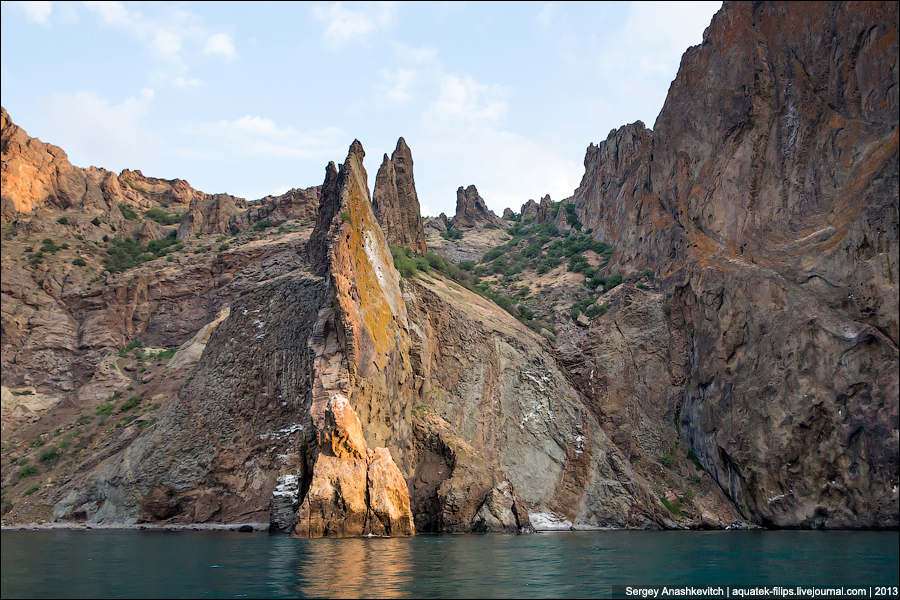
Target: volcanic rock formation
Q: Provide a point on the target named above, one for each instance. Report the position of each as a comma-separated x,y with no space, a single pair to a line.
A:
471,211
769,205
395,202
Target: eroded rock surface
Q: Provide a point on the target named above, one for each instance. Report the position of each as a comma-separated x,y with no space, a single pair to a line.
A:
770,206
471,211
395,202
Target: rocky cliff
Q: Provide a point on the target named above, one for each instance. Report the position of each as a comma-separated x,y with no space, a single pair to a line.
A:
729,353
471,211
395,202
765,200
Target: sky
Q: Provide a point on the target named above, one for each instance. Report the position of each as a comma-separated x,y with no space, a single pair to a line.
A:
256,98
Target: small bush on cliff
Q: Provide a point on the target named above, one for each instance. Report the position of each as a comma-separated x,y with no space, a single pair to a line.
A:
452,234
162,217
63,220
28,471
79,262
128,212
612,282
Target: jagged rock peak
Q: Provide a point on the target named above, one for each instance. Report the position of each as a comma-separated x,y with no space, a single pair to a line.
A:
395,201
471,211
354,489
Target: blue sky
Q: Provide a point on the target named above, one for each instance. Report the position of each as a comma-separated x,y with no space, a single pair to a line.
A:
254,99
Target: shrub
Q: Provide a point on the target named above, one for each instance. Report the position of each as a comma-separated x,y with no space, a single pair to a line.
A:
452,234
577,263
106,409
32,489
265,223
571,217
598,310
130,404
223,247
345,217
667,461
50,454
95,222
128,212
526,312
162,217
79,262
63,220
694,459
675,509
28,471
648,272
612,282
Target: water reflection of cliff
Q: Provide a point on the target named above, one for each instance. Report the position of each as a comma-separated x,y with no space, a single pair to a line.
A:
342,568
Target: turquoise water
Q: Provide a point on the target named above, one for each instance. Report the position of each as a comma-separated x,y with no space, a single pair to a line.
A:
149,564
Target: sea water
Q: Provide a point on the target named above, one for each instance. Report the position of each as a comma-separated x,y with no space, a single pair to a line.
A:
209,564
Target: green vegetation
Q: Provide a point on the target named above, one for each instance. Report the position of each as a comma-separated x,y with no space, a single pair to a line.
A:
63,220
49,455
95,222
452,234
130,404
648,272
675,509
125,254
612,282
694,459
345,217
571,217
32,489
667,461
28,471
128,212
162,217
106,409
79,262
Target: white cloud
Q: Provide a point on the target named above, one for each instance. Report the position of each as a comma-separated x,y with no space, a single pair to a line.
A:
464,100
36,12
343,24
220,44
186,84
411,54
261,137
396,85
103,134
112,13
171,35
167,44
